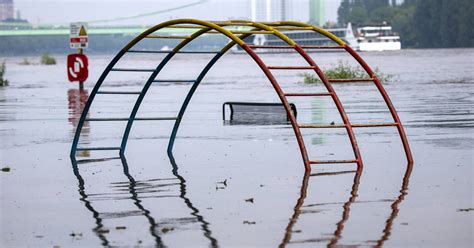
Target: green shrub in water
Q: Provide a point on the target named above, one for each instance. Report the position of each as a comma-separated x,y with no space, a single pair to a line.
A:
3,82
46,59
344,71
25,61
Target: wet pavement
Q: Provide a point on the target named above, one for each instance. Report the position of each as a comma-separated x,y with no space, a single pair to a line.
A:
239,185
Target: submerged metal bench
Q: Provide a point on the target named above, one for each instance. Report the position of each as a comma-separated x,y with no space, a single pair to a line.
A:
256,113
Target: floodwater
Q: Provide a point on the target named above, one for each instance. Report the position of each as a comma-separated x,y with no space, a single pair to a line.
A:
238,185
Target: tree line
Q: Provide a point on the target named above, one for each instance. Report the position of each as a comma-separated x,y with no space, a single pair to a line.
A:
420,23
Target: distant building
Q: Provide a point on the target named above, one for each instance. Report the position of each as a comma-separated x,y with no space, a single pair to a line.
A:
396,2
270,10
7,10
317,11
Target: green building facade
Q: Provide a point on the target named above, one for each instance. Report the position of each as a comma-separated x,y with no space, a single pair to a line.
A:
316,12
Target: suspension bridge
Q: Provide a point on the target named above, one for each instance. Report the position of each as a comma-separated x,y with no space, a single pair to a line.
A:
97,27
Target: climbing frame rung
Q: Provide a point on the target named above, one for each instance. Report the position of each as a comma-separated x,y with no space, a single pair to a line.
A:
168,37
186,26
320,126
376,125
333,161
293,28
174,81
170,51
253,32
136,119
147,51
243,32
132,70
199,52
97,148
332,173
352,125
271,47
119,92
309,94
291,67
322,47
351,80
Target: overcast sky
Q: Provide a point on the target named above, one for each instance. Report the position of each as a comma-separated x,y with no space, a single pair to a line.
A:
65,11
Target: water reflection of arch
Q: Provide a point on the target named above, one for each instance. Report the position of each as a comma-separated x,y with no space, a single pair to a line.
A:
134,195
337,234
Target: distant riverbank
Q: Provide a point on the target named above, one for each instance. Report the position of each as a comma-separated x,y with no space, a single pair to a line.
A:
99,44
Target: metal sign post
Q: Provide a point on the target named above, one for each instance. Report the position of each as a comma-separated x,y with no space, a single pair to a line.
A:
78,63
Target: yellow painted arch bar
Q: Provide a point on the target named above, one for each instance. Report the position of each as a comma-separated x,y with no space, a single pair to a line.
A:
315,28
207,26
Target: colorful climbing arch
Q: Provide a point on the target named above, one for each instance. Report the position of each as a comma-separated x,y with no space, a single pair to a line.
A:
237,36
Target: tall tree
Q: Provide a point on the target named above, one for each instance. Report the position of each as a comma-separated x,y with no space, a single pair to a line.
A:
465,24
343,12
421,23
426,21
371,5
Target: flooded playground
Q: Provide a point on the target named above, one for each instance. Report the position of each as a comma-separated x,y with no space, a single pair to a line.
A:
233,184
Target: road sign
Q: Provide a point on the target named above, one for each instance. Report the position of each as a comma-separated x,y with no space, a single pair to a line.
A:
78,37
77,67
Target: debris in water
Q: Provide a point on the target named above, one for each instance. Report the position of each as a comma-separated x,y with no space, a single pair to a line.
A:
249,200
6,169
249,222
223,182
166,229
120,227
465,209
104,231
75,234
332,123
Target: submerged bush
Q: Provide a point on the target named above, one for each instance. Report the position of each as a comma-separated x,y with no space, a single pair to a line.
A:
344,71
3,82
46,59
25,61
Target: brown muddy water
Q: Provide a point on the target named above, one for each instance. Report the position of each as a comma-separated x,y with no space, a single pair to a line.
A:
238,185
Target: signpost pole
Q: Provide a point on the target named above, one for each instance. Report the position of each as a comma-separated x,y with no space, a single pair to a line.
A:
81,83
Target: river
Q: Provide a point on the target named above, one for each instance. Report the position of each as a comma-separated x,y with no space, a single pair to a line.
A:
238,185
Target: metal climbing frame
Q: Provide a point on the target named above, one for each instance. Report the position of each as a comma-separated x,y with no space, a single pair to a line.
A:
237,38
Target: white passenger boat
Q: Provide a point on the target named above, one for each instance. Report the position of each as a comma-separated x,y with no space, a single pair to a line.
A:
367,38
304,38
378,38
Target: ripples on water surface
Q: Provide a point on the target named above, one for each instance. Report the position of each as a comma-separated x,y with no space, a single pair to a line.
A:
238,185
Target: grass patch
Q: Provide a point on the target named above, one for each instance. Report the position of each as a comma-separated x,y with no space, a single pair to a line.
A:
3,81
46,59
344,71
25,61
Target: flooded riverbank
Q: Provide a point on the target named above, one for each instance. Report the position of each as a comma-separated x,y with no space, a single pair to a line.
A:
239,185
